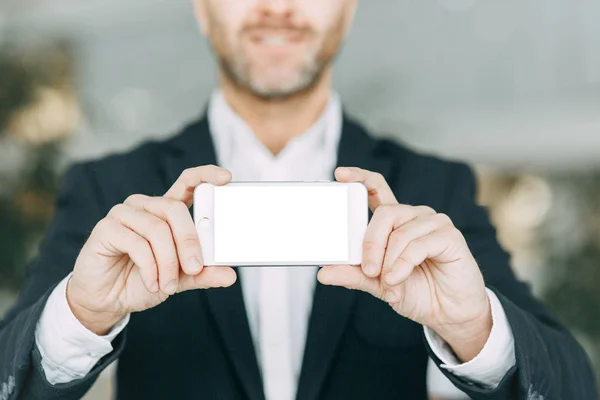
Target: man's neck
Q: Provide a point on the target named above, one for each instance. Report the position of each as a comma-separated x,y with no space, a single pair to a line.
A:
276,122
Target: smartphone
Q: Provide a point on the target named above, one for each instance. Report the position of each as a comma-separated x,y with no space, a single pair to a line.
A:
281,223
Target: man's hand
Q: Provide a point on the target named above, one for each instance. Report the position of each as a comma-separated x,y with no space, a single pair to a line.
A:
419,263
143,251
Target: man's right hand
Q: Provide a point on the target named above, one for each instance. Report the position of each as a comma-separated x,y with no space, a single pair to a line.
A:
143,251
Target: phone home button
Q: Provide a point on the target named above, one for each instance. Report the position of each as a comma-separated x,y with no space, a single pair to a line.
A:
204,223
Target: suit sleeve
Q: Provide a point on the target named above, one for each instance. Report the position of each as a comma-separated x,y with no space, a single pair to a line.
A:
550,364
78,209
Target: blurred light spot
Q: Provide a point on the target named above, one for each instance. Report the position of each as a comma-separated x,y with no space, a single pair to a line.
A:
529,202
131,108
458,5
567,226
495,21
53,115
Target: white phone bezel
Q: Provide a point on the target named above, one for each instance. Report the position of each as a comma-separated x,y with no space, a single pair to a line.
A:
357,221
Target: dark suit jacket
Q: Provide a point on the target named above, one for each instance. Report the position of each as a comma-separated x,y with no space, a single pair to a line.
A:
198,344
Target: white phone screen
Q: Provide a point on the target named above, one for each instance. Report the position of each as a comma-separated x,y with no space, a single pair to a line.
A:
281,223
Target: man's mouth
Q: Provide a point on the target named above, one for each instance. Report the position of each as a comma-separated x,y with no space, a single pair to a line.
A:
278,37
275,40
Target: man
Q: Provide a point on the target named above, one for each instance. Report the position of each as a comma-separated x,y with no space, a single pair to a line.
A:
432,283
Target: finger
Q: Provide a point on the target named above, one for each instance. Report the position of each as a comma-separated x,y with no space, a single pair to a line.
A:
177,215
416,254
385,220
183,188
210,277
124,241
350,277
158,233
414,229
377,187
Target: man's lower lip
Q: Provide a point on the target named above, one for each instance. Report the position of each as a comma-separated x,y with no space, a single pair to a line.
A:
285,48
276,43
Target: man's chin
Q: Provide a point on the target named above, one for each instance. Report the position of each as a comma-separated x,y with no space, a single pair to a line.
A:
271,83
283,87
276,93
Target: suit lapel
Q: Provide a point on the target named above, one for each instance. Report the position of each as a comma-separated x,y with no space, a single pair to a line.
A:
332,306
192,148
228,310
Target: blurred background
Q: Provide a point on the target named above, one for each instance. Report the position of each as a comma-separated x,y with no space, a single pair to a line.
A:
511,86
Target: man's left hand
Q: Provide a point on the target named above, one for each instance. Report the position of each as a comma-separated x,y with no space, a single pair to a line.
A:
419,263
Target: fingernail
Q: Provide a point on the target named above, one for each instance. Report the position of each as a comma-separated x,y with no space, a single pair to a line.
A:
171,287
195,265
154,287
233,277
370,269
227,279
322,276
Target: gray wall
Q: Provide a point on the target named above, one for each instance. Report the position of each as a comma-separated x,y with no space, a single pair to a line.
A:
505,82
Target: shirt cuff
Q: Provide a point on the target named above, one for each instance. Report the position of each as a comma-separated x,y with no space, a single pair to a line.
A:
69,350
495,359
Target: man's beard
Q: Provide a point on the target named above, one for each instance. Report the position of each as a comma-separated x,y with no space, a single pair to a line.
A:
306,76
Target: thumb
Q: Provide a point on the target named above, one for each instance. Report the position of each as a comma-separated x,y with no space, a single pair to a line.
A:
209,277
350,277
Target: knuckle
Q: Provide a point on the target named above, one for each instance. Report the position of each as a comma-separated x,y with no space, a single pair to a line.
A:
190,240
398,233
397,210
169,265
378,177
456,234
135,198
209,169
117,209
159,229
405,260
417,252
386,210
140,244
175,208
370,246
430,225
105,224
425,210
187,175
397,238
444,219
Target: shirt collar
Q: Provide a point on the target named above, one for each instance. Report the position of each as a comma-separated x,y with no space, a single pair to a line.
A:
229,130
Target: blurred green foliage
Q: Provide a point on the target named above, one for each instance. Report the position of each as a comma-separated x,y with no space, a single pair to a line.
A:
26,212
17,85
28,195
573,293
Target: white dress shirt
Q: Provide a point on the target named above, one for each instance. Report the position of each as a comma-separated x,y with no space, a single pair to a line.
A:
278,300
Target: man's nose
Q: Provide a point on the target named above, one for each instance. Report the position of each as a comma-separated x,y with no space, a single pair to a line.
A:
278,7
